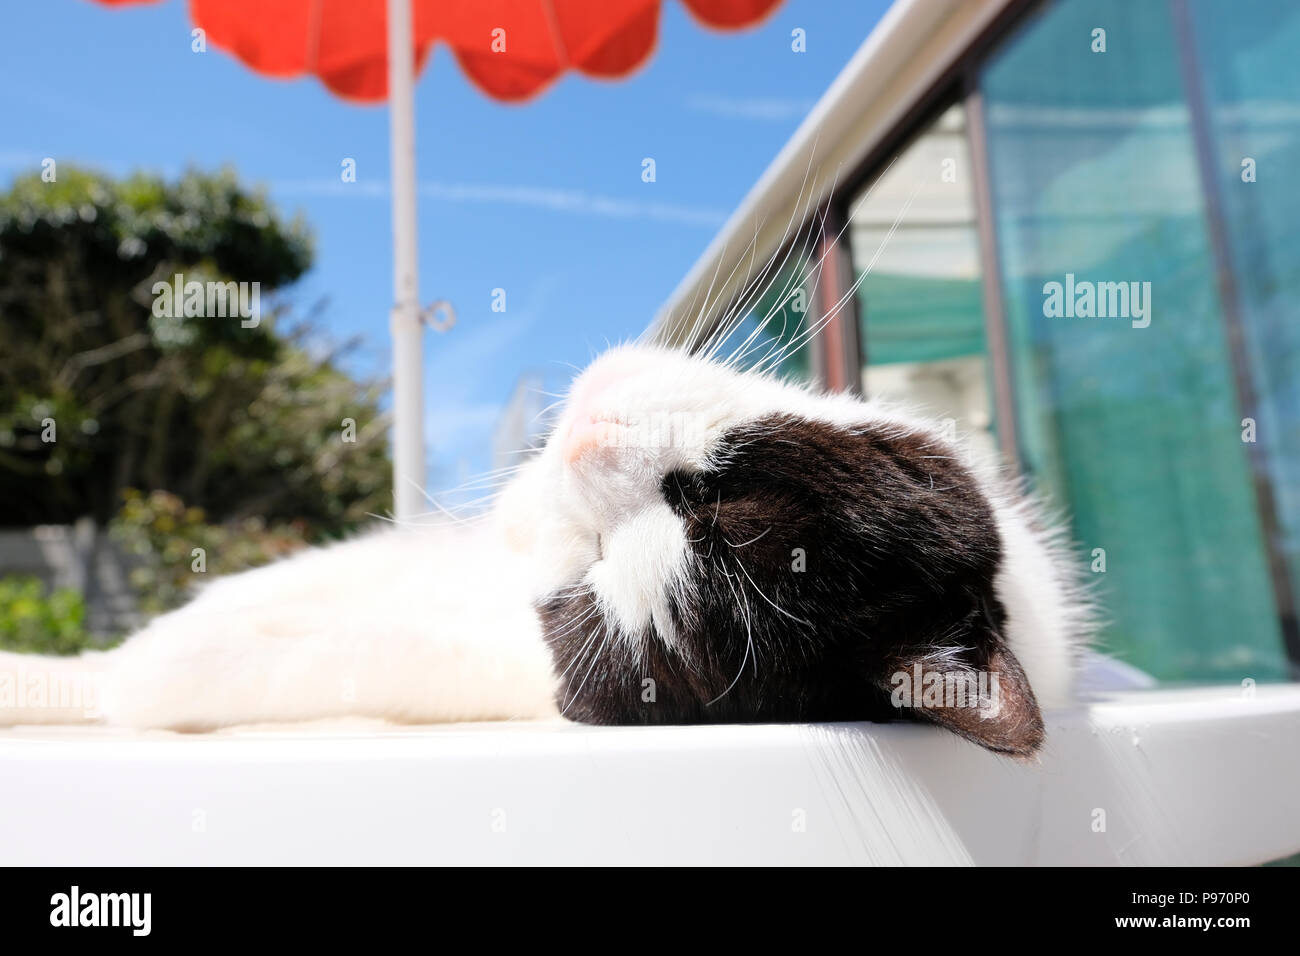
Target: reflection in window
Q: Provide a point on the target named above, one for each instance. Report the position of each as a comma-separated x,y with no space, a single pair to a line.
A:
921,313
1135,430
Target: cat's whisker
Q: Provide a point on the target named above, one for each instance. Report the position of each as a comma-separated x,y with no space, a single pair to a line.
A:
848,295
806,277
591,610
796,278
768,599
594,660
439,509
793,281
751,540
571,628
699,324
708,295
736,314
685,503
768,275
829,314
749,643
559,400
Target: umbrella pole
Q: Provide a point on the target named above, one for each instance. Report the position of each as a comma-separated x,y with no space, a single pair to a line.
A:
408,364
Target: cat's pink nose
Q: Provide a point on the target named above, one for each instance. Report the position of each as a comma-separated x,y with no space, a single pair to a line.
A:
586,434
598,421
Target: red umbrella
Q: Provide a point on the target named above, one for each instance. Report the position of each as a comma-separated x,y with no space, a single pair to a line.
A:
510,49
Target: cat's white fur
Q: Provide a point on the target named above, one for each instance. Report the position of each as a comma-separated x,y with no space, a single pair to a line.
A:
435,623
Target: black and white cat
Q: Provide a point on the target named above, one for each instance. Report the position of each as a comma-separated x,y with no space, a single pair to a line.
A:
693,544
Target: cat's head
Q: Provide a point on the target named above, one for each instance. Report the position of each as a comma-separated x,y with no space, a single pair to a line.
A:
719,546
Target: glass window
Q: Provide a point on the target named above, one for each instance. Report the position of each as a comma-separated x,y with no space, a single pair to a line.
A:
916,252
1127,409
1250,77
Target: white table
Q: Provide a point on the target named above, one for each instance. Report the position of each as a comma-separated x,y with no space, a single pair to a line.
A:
1183,776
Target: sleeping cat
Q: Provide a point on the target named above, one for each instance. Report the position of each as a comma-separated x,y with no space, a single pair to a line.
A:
693,544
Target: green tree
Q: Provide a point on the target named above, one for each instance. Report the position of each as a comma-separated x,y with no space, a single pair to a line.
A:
32,620
239,421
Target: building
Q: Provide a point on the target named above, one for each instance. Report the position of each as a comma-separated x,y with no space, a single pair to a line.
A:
1071,227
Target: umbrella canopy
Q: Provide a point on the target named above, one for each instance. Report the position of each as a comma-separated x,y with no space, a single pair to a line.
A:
343,42
510,49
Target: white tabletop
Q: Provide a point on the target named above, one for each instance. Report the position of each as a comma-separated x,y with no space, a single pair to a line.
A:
1143,777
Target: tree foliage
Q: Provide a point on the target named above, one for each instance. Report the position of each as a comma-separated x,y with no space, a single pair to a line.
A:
240,422
32,619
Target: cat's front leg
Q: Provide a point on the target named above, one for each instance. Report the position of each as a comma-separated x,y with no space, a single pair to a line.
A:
203,667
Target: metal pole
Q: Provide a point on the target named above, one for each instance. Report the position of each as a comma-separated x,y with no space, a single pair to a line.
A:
408,364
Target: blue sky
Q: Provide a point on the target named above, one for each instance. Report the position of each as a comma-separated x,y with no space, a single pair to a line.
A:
543,200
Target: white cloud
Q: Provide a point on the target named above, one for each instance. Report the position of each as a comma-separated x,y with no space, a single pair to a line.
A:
573,201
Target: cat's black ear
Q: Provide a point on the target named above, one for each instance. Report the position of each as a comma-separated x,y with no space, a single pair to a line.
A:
973,686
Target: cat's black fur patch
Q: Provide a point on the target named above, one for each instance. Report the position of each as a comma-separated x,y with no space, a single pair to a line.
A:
899,553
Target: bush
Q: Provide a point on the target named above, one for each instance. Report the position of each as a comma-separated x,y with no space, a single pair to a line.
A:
175,548
36,622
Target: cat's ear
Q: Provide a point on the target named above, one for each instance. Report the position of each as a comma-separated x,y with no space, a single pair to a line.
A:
979,692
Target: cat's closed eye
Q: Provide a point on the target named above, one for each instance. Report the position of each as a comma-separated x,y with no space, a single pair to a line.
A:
685,492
